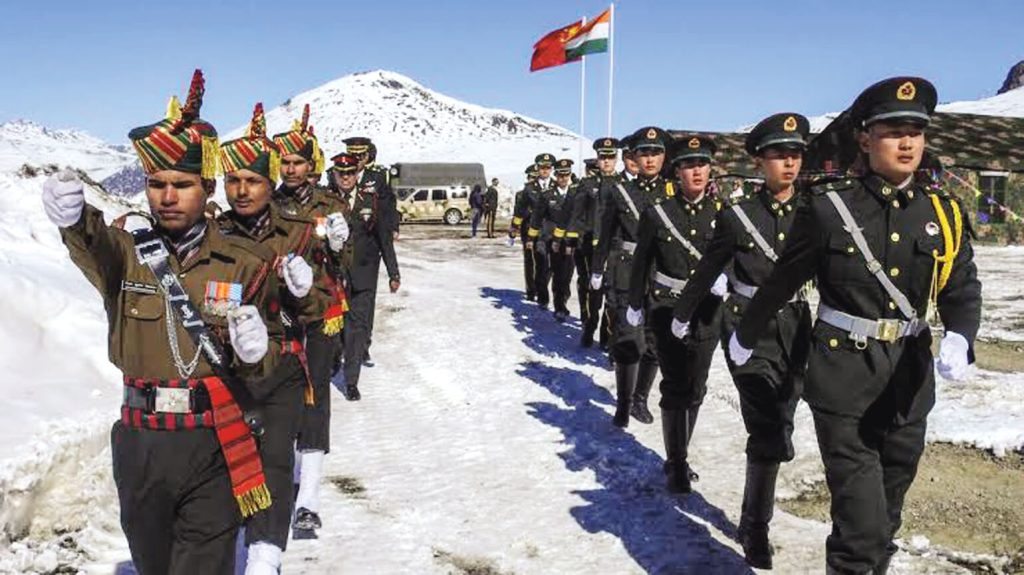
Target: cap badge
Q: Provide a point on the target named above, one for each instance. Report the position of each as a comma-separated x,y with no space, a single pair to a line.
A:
906,92
694,143
652,134
790,124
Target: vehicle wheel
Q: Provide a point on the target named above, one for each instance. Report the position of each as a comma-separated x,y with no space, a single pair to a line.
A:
452,217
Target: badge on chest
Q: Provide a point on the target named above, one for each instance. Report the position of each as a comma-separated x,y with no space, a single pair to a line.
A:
221,298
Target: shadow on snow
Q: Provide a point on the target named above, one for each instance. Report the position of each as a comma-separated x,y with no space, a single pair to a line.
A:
661,532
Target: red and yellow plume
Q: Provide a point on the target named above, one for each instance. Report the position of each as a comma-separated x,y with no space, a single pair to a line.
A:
258,124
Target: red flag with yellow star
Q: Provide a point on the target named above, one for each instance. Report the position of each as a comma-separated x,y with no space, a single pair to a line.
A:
550,50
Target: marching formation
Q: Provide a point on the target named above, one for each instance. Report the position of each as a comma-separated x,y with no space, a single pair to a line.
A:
230,326
680,268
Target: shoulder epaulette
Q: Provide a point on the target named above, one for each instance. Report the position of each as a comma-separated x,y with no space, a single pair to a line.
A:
823,187
670,190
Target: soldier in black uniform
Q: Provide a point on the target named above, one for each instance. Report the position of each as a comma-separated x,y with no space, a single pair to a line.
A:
522,208
369,242
618,213
541,273
674,233
582,226
749,235
553,247
882,247
373,178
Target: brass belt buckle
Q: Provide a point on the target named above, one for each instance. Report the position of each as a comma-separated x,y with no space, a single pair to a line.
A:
888,330
172,400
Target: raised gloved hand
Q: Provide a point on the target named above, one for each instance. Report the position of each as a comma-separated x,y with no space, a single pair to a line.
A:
595,281
680,329
63,198
721,286
248,334
953,362
298,276
739,354
634,317
337,231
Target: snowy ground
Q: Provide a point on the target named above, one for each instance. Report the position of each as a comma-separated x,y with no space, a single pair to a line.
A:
484,434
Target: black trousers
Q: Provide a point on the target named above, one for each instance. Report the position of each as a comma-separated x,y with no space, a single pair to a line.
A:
561,276
358,324
529,266
590,300
684,363
542,271
870,408
177,509
771,382
282,414
315,429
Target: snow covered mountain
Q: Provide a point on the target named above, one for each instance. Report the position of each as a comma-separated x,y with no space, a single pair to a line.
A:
411,123
27,143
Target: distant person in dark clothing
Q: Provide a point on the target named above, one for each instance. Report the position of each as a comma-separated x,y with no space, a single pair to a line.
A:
491,206
476,203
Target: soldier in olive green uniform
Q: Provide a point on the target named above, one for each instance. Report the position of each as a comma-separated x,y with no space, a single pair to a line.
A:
251,166
185,464
884,248
300,151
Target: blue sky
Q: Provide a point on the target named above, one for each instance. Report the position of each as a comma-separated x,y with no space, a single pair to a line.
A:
107,66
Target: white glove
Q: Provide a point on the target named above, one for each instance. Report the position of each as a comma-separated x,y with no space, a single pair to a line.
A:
952,362
63,198
595,281
248,333
298,276
739,354
337,231
634,317
721,286
680,329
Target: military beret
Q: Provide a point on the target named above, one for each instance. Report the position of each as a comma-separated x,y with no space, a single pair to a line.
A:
563,166
544,160
693,147
345,163
649,137
357,145
607,146
900,99
786,130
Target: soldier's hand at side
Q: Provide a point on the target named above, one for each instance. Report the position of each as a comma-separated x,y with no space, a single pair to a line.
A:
952,364
721,286
63,198
248,334
298,276
337,231
634,317
737,353
394,285
595,281
529,245
680,329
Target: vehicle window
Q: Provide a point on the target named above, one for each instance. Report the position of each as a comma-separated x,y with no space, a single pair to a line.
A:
438,195
460,195
420,196
403,193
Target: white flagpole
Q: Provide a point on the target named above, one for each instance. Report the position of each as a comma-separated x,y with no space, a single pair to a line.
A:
583,115
611,62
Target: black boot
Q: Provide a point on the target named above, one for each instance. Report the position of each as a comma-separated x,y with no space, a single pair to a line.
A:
587,340
644,381
691,423
352,393
883,566
758,506
674,430
625,381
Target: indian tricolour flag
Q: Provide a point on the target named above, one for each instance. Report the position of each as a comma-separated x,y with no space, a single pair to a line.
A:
592,38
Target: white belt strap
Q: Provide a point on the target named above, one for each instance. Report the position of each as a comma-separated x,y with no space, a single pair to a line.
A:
874,266
629,201
753,231
669,281
675,233
860,329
